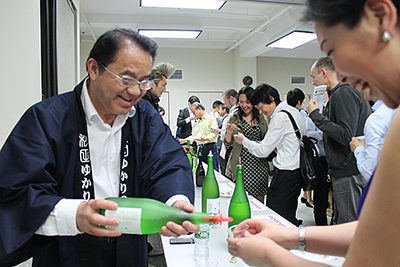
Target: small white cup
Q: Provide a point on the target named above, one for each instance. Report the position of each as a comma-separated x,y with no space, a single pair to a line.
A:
361,137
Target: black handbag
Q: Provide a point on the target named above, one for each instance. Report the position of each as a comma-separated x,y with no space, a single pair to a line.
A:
307,152
271,156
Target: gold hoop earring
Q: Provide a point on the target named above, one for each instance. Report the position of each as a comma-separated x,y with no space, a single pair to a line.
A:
386,36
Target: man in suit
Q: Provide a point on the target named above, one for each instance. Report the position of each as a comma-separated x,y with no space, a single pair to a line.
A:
186,119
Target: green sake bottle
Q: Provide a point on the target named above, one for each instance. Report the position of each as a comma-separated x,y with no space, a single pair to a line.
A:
210,202
188,154
147,216
239,206
195,157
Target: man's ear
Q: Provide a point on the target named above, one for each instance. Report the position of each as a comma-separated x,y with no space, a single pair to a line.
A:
324,72
272,99
92,68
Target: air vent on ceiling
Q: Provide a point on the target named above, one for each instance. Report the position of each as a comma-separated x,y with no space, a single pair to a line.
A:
297,79
178,75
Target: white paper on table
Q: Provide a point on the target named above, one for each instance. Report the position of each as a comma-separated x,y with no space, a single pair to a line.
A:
326,259
320,96
274,218
226,189
256,205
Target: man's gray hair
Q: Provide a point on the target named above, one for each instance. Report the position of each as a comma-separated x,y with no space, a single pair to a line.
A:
162,69
324,62
197,105
230,92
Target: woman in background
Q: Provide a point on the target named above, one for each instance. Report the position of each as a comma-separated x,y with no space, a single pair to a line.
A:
363,39
253,125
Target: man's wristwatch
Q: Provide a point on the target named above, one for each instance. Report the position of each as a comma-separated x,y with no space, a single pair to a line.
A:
302,238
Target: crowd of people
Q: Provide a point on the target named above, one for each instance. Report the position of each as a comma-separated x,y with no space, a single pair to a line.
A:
68,153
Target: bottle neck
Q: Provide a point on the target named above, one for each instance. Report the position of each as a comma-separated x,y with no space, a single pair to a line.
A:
239,192
195,217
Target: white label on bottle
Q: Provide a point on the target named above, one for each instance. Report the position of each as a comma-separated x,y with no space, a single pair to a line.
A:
213,206
129,220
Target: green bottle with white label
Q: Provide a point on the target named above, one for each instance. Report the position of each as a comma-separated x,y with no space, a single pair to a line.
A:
147,216
239,206
210,202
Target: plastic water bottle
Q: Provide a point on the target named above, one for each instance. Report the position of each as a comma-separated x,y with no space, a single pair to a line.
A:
201,245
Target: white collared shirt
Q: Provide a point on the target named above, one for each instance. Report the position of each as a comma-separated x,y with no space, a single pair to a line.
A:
280,135
375,129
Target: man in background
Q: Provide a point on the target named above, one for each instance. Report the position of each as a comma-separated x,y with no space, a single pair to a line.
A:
230,97
344,117
159,77
186,119
319,201
214,112
223,114
367,148
204,134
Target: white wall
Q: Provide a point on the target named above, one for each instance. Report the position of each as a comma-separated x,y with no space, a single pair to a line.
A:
203,70
277,72
67,44
20,73
214,70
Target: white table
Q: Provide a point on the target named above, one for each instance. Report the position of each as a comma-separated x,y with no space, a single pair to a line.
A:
182,254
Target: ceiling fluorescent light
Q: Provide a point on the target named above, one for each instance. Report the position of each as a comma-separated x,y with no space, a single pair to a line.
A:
194,4
181,34
293,39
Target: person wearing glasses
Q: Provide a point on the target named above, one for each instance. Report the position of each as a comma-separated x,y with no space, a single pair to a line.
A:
159,77
70,152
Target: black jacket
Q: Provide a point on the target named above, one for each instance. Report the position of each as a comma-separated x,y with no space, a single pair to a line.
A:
153,100
185,129
345,116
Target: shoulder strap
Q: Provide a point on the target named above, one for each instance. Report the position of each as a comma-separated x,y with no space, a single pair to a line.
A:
296,129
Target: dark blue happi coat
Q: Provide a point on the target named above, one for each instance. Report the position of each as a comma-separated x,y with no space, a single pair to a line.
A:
37,169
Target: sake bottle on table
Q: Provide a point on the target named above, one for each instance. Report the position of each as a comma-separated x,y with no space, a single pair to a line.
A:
147,216
239,206
200,174
195,158
188,154
210,202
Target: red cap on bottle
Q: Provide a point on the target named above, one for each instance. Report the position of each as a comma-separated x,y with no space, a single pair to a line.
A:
218,219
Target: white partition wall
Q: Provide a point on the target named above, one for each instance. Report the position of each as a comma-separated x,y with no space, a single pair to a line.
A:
68,61
20,74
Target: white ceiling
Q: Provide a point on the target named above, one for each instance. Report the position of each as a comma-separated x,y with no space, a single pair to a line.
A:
247,25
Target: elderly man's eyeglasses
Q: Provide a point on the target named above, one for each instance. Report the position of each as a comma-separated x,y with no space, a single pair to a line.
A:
129,81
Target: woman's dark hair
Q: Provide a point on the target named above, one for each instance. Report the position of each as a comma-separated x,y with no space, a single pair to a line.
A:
248,92
264,93
294,96
106,47
333,12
